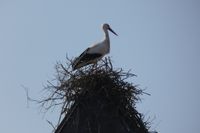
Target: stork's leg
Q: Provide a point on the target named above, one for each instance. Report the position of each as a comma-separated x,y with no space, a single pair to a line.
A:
94,66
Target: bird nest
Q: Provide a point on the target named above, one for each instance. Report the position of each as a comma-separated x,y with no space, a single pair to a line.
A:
100,82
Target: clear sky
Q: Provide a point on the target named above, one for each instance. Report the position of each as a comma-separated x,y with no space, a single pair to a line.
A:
159,40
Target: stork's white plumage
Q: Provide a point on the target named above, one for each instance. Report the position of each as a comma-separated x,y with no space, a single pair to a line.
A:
94,53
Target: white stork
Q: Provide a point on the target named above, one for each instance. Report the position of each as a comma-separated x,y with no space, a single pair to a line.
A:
94,53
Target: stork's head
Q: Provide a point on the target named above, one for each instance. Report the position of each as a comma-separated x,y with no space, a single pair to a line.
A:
107,27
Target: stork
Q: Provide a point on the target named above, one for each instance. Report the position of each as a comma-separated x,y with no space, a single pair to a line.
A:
94,53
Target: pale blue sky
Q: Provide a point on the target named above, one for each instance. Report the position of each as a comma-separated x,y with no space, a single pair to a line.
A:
159,40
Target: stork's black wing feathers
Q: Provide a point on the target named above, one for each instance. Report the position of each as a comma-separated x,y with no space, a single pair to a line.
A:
85,59
89,57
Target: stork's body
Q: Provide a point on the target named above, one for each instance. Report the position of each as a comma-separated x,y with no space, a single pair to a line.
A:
95,52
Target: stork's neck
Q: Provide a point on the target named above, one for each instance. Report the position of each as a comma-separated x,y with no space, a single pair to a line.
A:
106,37
106,41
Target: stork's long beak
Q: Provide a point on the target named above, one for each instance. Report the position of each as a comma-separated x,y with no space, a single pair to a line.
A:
112,31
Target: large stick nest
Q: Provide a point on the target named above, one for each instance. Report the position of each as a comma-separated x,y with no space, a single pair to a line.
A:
102,80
